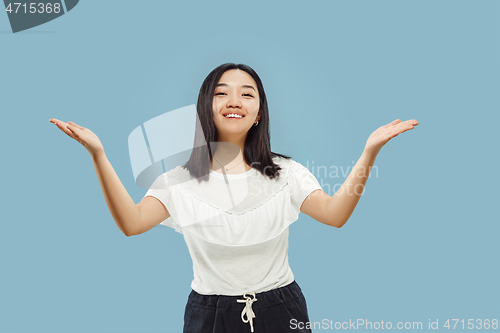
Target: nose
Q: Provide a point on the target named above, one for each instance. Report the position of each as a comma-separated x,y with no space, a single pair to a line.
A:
233,101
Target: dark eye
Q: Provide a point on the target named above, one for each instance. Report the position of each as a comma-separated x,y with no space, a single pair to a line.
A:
221,93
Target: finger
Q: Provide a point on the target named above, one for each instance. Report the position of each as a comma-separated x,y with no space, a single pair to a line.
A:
75,124
412,122
55,121
74,130
406,124
64,127
59,123
394,122
404,128
76,133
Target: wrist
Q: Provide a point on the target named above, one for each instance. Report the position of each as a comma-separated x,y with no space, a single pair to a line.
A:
371,154
97,154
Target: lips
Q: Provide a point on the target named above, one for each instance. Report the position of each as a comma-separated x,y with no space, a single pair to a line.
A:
233,118
233,112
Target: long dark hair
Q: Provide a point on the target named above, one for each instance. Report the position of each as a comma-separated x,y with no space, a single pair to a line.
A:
257,150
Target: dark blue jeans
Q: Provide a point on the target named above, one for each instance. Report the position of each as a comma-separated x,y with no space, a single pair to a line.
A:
276,311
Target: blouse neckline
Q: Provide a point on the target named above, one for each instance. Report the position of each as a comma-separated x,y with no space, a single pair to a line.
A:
231,176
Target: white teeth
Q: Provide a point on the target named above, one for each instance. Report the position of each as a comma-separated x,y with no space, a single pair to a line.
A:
233,115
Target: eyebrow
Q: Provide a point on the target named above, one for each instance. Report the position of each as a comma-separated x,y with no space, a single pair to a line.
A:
242,86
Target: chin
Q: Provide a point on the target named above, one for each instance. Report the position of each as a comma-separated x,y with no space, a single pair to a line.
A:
233,132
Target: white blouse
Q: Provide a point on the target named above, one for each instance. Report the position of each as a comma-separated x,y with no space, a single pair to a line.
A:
236,225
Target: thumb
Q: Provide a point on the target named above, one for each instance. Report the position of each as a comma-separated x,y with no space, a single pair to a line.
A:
75,124
76,132
394,122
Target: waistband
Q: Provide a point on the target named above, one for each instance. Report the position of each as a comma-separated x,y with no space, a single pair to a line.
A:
251,300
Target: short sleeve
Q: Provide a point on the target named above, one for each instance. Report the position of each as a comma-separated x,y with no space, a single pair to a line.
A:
162,190
302,183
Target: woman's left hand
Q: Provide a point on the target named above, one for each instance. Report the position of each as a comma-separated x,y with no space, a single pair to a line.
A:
384,133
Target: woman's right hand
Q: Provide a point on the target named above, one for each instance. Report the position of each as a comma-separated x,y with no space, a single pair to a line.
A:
81,134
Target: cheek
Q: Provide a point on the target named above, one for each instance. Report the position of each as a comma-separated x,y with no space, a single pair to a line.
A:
215,111
252,105
216,106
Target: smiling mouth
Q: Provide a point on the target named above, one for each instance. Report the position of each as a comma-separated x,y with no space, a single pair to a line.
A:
234,117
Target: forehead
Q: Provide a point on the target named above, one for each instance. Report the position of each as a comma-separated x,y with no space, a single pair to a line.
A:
236,77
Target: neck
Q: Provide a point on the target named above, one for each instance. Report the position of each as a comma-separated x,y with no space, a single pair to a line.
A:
232,139
230,156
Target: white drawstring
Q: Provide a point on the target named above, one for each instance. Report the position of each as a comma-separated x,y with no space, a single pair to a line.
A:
248,308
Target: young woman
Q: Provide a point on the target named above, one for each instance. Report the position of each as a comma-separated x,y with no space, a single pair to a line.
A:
233,201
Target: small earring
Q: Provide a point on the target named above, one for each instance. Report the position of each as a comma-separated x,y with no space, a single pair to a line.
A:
256,123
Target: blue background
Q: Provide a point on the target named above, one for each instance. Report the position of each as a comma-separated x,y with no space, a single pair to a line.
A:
423,241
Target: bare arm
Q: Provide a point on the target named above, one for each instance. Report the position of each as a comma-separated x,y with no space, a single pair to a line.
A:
121,206
341,205
130,218
336,210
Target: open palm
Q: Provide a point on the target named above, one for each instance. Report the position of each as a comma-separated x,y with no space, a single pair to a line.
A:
384,133
83,135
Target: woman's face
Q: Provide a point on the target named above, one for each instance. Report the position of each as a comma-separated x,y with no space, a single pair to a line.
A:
236,92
